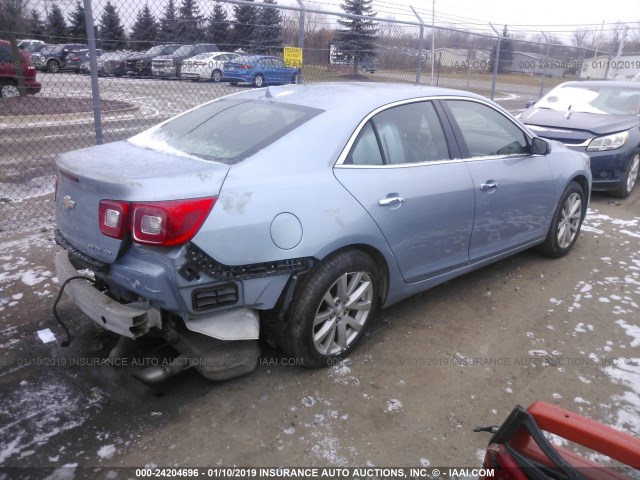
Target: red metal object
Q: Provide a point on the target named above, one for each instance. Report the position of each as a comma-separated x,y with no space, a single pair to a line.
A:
519,447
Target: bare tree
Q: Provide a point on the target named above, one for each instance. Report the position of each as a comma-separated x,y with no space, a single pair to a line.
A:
580,36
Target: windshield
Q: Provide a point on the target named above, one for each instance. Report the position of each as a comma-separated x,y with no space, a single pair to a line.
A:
226,131
603,99
57,48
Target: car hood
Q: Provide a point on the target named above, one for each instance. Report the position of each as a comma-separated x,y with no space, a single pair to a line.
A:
596,123
139,56
164,57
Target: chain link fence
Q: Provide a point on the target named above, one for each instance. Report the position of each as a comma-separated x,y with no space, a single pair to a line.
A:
145,62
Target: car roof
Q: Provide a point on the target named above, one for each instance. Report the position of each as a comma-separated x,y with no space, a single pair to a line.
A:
354,98
601,83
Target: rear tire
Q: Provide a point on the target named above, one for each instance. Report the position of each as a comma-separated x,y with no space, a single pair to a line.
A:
566,222
332,309
53,66
630,178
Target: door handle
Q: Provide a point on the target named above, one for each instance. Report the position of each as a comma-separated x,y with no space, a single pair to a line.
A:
383,202
488,186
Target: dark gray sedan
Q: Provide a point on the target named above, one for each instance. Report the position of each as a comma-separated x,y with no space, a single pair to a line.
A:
296,212
599,118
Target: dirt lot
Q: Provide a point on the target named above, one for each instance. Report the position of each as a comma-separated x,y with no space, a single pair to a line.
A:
565,331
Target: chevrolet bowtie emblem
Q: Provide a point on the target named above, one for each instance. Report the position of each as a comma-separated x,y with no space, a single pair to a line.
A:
68,203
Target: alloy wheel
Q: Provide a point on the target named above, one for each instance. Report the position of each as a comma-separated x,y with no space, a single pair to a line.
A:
342,313
570,218
9,91
633,172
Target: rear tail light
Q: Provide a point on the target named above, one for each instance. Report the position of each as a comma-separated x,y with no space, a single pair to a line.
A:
114,218
167,223
245,67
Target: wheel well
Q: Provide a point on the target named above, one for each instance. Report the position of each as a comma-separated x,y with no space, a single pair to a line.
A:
378,258
584,184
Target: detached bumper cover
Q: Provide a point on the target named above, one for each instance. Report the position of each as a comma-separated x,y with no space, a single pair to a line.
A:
132,320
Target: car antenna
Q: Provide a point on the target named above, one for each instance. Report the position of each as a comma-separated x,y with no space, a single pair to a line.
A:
567,115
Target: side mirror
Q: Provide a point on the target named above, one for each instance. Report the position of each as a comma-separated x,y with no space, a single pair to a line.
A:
529,104
539,146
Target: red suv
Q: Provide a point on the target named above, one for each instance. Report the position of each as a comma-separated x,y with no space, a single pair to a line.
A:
9,73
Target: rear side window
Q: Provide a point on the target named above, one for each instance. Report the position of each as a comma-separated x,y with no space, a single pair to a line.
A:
226,131
405,134
6,54
365,150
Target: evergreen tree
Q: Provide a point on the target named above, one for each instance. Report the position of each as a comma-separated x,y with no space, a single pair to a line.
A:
145,30
219,28
357,40
506,53
189,25
112,36
268,32
56,26
35,25
77,25
168,24
244,23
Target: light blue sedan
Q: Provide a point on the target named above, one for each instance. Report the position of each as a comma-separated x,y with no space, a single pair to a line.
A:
259,70
294,213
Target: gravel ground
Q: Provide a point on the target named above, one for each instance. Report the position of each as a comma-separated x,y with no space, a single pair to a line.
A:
33,105
430,369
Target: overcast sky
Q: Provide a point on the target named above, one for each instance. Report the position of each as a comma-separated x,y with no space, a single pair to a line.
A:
562,16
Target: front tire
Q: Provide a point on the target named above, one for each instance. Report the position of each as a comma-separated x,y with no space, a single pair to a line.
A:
9,90
332,309
630,178
216,75
258,81
566,222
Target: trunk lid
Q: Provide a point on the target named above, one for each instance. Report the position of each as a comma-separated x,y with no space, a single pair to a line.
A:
126,172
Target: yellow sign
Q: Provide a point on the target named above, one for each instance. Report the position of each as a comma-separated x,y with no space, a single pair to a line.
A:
293,57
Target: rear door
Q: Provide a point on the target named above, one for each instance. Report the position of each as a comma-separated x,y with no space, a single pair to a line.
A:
399,168
514,190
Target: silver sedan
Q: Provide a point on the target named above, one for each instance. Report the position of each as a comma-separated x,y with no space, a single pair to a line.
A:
294,213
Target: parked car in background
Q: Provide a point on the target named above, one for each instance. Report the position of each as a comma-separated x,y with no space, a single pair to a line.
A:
109,64
295,212
56,58
139,64
34,52
28,44
9,69
170,65
206,66
113,64
75,61
258,70
369,65
599,118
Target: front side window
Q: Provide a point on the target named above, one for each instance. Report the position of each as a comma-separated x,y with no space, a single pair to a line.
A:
487,132
226,131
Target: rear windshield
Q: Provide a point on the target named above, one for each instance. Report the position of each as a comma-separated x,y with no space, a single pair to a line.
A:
603,99
227,130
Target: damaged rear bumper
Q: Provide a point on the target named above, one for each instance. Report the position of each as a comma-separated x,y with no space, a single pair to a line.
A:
130,320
